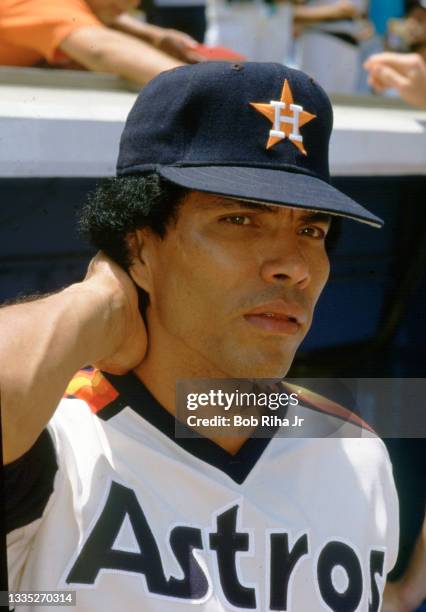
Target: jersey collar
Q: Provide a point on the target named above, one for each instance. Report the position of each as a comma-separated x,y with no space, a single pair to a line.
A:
134,394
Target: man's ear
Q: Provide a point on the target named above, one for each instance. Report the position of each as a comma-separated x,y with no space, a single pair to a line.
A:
139,268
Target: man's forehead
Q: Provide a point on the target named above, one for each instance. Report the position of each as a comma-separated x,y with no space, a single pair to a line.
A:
212,201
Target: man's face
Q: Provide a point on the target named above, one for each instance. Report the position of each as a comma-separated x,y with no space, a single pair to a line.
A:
233,286
108,10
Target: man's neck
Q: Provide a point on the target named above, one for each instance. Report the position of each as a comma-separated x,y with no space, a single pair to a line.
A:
159,375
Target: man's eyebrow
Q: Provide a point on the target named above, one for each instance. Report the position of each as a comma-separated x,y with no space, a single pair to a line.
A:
236,203
318,217
309,216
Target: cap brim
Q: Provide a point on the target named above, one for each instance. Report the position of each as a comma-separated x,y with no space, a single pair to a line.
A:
280,187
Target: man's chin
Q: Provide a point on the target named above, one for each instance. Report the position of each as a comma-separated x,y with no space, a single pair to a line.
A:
265,369
255,361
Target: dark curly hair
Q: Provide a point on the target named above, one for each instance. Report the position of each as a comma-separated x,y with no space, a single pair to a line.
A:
119,206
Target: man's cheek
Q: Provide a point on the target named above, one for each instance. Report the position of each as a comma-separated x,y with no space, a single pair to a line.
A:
184,304
320,275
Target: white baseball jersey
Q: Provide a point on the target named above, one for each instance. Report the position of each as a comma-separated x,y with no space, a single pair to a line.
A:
323,51
133,519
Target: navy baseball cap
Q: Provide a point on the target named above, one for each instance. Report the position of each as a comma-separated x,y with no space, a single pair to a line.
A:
253,131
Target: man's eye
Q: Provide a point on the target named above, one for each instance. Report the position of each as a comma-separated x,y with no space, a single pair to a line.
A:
237,220
313,231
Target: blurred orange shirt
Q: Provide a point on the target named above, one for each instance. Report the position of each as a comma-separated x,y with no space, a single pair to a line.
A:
32,30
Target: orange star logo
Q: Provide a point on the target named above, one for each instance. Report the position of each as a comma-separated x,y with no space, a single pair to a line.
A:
286,117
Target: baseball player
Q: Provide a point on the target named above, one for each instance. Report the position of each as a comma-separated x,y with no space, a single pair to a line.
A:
217,231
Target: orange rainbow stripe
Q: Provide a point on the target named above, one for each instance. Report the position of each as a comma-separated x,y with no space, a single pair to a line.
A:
92,387
328,406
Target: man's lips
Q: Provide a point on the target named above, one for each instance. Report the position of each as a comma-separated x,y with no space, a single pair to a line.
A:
278,317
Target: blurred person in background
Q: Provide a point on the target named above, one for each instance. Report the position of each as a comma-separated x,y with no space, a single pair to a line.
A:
329,42
402,69
405,73
379,14
409,592
95,34
381,11
416,27
188,16
260,30
408,33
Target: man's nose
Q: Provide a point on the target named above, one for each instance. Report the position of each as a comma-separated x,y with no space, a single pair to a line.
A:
285,264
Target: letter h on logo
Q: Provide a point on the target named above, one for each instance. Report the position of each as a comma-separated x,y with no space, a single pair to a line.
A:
279,118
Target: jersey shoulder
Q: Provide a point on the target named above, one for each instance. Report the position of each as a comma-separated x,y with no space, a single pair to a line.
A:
92,387
328,407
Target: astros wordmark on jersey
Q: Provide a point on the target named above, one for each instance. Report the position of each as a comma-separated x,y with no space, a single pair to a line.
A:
133,519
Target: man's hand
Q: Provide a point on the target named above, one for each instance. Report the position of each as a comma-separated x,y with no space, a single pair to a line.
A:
404,72
177,44
173,43
129,333
104,49
45,341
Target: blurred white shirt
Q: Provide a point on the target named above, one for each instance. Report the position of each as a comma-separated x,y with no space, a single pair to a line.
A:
334,62
258,30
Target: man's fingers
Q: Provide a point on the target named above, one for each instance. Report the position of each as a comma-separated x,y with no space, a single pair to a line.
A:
109,278
397,61
389,78
182,36
116,369
375,84
180,50
132,351
192,57
405,73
